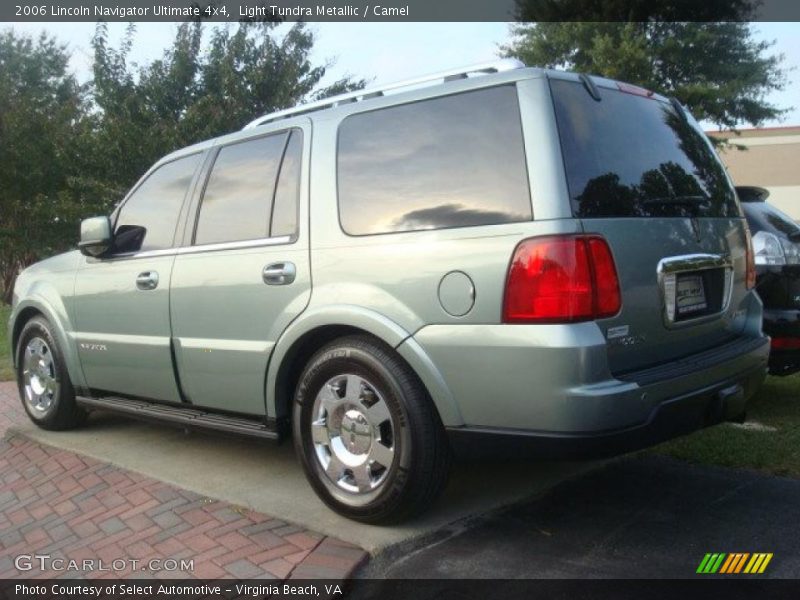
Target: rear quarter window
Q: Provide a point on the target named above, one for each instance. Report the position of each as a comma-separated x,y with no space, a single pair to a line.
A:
633,156
453,161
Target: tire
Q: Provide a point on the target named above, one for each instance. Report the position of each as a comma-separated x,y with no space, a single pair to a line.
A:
358,406
44,386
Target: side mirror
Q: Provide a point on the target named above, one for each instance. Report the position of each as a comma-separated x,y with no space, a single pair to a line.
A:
96,236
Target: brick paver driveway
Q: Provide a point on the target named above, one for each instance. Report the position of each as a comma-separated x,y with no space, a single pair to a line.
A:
71,507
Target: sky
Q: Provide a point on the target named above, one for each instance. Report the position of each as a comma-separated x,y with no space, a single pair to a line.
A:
387,52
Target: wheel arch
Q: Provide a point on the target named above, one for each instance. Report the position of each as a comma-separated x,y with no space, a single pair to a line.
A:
37,305
312,331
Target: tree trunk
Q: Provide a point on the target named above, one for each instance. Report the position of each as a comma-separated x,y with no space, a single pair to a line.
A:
7,293
8,276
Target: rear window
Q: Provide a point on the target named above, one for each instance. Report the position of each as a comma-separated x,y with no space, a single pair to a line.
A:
453,161
631,156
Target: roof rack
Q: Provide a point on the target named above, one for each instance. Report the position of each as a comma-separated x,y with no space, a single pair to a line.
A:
506,64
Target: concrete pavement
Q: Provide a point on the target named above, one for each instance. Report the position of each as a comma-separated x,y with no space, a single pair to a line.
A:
268,479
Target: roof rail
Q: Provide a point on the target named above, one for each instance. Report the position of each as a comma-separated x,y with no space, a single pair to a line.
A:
506,64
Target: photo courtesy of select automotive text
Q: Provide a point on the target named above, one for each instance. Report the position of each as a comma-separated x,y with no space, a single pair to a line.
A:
399,299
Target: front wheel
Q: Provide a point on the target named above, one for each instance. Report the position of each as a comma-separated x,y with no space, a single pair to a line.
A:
369,438
44,385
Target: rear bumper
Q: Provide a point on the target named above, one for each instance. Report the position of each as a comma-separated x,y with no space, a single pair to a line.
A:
555,378
723,401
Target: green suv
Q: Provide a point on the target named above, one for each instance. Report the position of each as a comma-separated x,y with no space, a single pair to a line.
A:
496,258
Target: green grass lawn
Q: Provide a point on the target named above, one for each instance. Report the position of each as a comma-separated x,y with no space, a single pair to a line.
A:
769,441
5,354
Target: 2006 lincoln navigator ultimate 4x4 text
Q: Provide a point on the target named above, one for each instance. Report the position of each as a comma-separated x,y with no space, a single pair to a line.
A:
505,256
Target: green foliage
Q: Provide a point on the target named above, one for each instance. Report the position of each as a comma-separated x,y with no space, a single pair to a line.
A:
718,70
636,10
41,107
190,94
68,151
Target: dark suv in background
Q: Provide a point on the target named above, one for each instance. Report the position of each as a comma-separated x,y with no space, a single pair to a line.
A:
776,244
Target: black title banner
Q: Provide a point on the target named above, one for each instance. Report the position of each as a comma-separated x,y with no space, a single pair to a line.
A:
399,10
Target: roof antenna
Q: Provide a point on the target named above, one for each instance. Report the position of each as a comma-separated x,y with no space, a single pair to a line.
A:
590,86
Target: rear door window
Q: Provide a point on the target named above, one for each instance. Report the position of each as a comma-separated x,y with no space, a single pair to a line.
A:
237,201
453,161
634,156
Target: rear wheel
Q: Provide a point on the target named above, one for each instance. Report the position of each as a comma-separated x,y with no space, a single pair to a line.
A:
369,438
44,385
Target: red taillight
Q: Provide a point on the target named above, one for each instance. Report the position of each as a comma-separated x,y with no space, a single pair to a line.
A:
750,277
785,343
606,284
560,279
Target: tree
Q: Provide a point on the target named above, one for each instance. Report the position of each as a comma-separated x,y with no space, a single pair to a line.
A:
41,108
717,69
190,95
68,151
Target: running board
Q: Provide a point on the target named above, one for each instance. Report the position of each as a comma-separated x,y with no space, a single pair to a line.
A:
182,417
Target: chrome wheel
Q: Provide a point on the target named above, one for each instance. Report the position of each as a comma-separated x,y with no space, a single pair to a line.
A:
353,434
39,376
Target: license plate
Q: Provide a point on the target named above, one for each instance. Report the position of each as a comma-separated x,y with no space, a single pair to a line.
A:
690,296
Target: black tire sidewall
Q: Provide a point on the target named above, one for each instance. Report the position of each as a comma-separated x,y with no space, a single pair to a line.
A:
65,395
356,357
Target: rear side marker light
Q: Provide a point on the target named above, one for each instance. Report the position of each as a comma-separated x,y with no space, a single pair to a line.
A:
561,279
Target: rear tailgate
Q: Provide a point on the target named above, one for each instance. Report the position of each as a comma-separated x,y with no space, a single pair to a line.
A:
642,174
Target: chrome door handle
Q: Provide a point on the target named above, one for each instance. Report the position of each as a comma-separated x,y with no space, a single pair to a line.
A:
281,273
147,280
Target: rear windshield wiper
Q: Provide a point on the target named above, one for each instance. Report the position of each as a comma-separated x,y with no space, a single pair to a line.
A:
689,200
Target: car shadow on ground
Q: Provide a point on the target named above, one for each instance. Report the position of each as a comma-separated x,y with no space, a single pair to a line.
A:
638,517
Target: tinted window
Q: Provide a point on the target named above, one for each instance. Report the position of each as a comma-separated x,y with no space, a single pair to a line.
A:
449,162
287,192
763,216
632,156
237,201
148,218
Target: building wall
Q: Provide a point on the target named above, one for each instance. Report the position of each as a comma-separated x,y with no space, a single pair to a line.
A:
771,159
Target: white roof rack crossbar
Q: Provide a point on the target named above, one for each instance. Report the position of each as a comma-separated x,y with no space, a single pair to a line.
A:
506,64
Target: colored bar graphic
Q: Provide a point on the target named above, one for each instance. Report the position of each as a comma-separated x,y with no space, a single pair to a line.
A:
717,564
726,566
734,562
742,559
703,563
711,563
753,564
765,563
